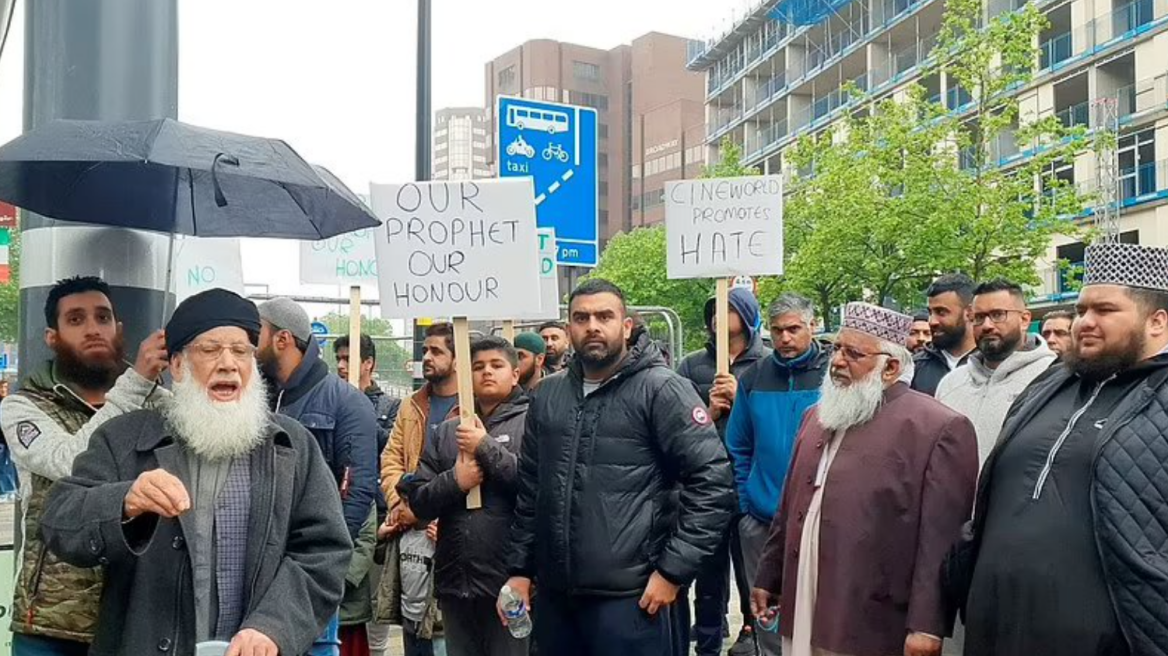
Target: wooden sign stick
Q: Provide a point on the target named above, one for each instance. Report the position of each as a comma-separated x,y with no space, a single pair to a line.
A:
722,325
466,405
509,330
355,336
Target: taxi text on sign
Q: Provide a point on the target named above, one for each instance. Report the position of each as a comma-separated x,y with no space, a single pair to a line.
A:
720,227
457,249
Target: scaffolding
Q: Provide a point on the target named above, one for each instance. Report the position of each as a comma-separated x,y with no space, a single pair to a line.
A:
1105,123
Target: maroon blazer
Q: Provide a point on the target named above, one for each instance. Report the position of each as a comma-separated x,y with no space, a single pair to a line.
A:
897,494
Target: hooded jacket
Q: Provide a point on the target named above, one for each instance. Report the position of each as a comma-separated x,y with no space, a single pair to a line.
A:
470,558
930,366
772,397
701,366
595,513
342,421
985,395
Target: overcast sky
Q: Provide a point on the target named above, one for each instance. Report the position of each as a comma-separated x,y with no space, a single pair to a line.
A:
336,79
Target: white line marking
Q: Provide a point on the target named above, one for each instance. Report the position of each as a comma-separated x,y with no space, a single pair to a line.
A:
568,175
555,185
577,153
540,199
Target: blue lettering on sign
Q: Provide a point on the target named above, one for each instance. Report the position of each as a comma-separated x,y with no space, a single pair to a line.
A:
555,145
357,268
200,275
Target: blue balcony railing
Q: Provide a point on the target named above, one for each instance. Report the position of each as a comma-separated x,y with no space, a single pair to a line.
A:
1076,115
1056,50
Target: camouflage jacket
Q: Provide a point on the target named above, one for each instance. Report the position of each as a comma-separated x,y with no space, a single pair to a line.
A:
50,425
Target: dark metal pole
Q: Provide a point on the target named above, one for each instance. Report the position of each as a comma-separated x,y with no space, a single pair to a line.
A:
422,153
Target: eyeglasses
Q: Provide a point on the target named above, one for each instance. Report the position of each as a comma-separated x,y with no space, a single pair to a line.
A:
212,351
996,316
855,355
1047,334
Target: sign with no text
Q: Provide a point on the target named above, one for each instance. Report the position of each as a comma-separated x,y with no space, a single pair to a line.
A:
457,249
720,227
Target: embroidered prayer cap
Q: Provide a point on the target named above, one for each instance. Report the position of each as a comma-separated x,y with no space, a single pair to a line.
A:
1129,265
878,322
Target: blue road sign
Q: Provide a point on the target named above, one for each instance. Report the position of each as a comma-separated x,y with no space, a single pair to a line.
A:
556,145
320,330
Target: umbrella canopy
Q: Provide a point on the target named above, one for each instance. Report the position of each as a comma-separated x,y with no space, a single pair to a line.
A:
172,177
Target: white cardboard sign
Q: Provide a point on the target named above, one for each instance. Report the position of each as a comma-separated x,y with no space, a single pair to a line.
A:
202,263
345,260
719,227
457,249
549,279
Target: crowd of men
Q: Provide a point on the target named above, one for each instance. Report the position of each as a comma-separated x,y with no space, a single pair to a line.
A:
911,479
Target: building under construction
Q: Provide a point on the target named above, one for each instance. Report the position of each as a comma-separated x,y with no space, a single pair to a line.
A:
779,70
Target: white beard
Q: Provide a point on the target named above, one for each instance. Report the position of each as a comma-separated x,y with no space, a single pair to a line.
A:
841,408
213,429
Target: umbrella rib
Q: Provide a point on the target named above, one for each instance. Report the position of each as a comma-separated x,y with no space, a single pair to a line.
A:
300,205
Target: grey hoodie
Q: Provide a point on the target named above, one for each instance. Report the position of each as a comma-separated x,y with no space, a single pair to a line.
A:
984,395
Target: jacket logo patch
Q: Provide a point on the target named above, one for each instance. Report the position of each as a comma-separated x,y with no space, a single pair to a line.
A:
700,416
27,432
503,439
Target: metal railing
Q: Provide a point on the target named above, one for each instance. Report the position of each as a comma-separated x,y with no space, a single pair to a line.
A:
1077,115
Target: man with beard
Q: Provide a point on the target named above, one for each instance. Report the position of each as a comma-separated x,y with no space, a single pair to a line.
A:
555,337
337,415
1056,330
48,423
212,519
624,489
470,562
949,300
416,424
1067,539
718,392
1007,360
920,335
531,350
881,481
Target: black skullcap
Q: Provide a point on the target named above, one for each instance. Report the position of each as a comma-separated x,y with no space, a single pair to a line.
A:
209,310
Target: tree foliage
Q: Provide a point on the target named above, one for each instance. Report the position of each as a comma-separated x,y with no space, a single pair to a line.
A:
10,292
891,197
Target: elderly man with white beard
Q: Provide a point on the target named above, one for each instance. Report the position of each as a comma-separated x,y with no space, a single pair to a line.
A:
214,520
880,483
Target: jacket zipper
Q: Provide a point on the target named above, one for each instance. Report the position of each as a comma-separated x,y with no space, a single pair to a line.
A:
569,483
255,576
1058,444
36,585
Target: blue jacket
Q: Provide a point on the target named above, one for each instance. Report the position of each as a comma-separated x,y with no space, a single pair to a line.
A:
772,397
344,425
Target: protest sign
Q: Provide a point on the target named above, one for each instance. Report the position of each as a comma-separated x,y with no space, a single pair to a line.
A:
549,280
724,227
202,263
344,260
464,249
457,249
720,228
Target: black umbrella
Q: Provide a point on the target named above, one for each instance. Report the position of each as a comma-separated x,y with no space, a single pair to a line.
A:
171,177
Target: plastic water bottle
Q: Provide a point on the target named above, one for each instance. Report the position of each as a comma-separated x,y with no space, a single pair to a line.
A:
518,620
769,622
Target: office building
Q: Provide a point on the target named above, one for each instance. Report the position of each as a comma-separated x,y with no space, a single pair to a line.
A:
460,144
649,109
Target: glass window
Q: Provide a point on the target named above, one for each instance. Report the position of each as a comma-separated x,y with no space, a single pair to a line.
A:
1137,164
636,171
586,71
507,77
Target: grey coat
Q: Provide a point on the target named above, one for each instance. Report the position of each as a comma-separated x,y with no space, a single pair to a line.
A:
298,545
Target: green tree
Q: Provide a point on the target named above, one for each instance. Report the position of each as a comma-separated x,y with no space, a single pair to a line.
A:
10,292
338,324
889,198
730,164
392,354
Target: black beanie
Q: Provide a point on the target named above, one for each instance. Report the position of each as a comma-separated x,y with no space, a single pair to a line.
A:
209,310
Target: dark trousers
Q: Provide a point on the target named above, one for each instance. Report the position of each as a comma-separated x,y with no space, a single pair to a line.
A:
602,626
712,597
412,644
32,645
473,629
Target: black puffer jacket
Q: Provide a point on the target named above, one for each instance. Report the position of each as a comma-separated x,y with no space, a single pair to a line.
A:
930,366
594,514
470,560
